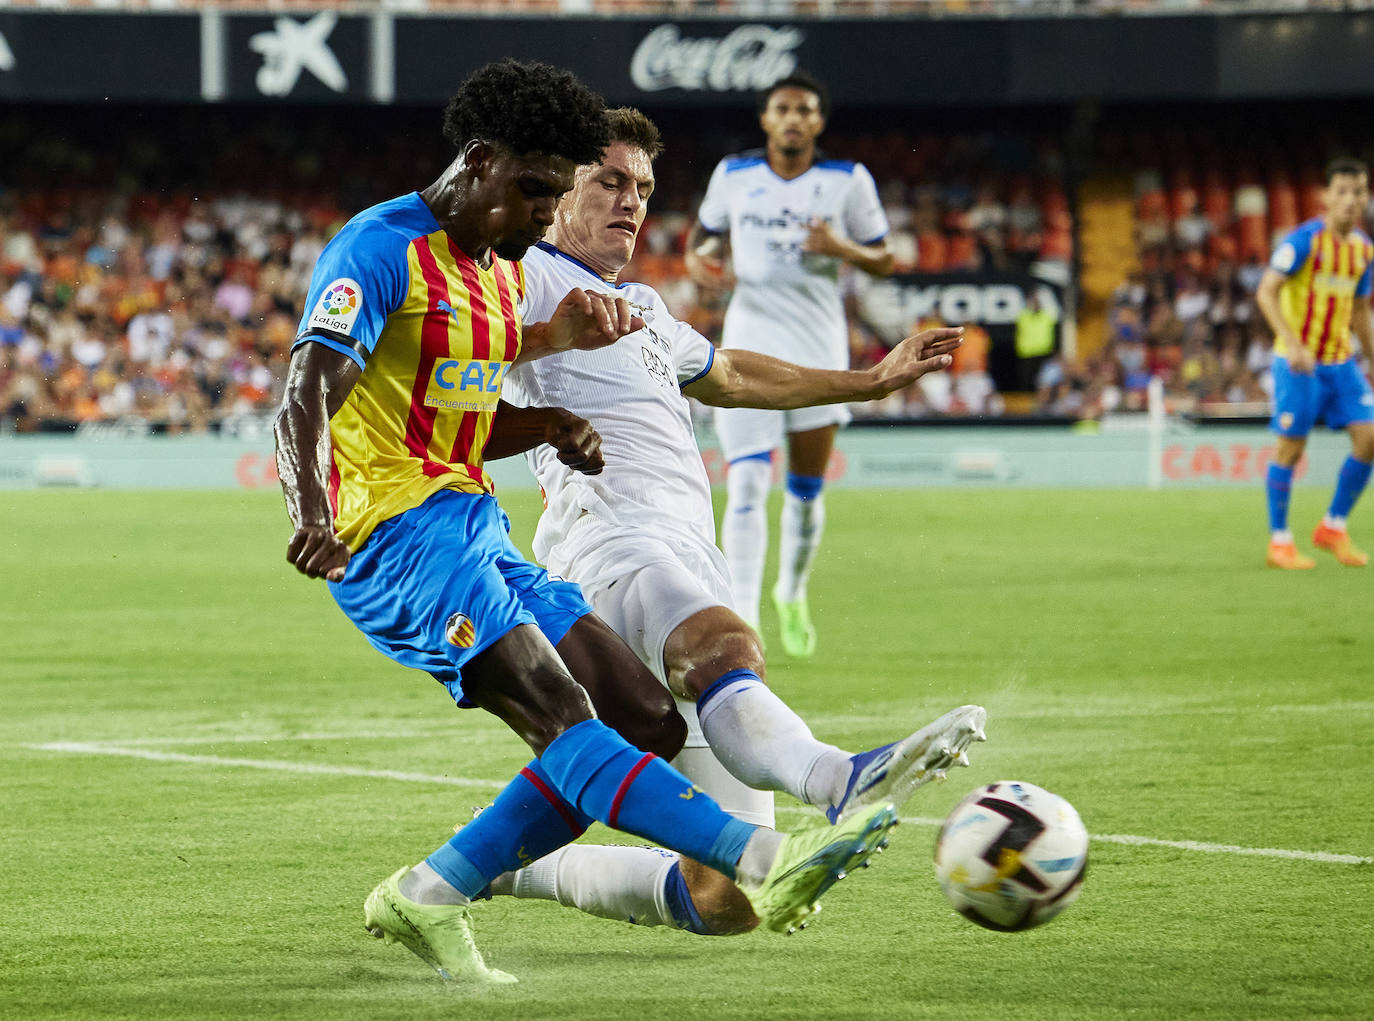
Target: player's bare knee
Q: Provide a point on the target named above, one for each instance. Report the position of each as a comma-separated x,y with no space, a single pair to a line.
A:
708,646
1288,450
1362,444
723,908
657,728
529,690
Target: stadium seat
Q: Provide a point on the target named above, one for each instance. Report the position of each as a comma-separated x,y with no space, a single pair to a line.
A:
932,252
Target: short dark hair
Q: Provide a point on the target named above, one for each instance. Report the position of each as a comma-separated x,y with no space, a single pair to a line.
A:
528,108
798,80
632,127
1346,165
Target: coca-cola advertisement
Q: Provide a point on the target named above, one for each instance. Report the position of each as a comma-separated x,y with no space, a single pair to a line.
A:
900,64
748,59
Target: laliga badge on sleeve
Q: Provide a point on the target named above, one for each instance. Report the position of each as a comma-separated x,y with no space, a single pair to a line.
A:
338,308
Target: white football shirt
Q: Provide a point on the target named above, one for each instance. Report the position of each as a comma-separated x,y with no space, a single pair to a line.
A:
631,392
787,302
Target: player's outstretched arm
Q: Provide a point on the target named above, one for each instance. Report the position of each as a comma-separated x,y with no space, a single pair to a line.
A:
516,430
583,321
317,382
747,379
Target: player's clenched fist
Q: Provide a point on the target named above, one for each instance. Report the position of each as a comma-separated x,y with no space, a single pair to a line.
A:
317,552
577,443
587,320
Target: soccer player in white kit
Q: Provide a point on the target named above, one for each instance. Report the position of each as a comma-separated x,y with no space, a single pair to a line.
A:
792,219
639,538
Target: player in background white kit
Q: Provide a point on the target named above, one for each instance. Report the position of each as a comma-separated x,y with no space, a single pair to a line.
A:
792,218
639,538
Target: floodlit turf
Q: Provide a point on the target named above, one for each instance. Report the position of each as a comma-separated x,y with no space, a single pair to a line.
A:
1132,651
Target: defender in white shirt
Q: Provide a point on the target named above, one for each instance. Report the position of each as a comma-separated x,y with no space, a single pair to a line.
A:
792,218
639,539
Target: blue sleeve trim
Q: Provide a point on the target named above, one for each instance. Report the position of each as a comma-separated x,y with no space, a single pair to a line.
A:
744,162
875,240
712,230
710,361
353,348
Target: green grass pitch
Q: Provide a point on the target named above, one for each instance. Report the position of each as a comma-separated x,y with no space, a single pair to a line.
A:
204,769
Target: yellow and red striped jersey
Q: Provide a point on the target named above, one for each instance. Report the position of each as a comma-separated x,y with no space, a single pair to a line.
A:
1325,275
434,333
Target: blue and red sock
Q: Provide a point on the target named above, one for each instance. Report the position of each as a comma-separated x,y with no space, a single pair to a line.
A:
597,770
1350,483
1278,485
527,821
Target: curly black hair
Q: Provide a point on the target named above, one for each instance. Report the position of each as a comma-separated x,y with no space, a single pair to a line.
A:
529,108
799,79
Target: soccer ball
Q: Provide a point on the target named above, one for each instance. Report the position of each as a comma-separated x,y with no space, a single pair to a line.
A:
1011,856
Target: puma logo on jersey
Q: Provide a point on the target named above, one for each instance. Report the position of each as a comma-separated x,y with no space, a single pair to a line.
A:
444,306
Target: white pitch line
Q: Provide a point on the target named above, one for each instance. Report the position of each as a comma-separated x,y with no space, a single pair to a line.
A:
82,748
85,748
1198,845
1260,852
469,735
473,735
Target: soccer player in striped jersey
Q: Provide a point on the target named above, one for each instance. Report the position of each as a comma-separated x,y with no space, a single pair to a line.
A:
792,219
639,538
411,323
1314,293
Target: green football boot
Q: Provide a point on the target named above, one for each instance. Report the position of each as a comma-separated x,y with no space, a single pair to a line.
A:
812,861
438,934
794,626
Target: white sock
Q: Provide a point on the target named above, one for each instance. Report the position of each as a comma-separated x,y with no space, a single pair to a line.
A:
744,532
621,883
1283,536
802,524
762,742
1339,524
758,857
425,886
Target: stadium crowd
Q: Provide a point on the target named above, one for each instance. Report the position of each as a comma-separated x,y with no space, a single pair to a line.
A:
138,285
1206,220
147,283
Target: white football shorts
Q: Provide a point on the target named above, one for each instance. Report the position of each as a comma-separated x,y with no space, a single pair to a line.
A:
664,581
744,432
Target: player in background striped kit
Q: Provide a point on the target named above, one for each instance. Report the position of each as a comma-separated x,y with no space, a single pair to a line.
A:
410,326
1314,293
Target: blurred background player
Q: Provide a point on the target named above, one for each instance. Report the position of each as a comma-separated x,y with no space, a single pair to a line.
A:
1314,293
639,538
409,327
792,217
